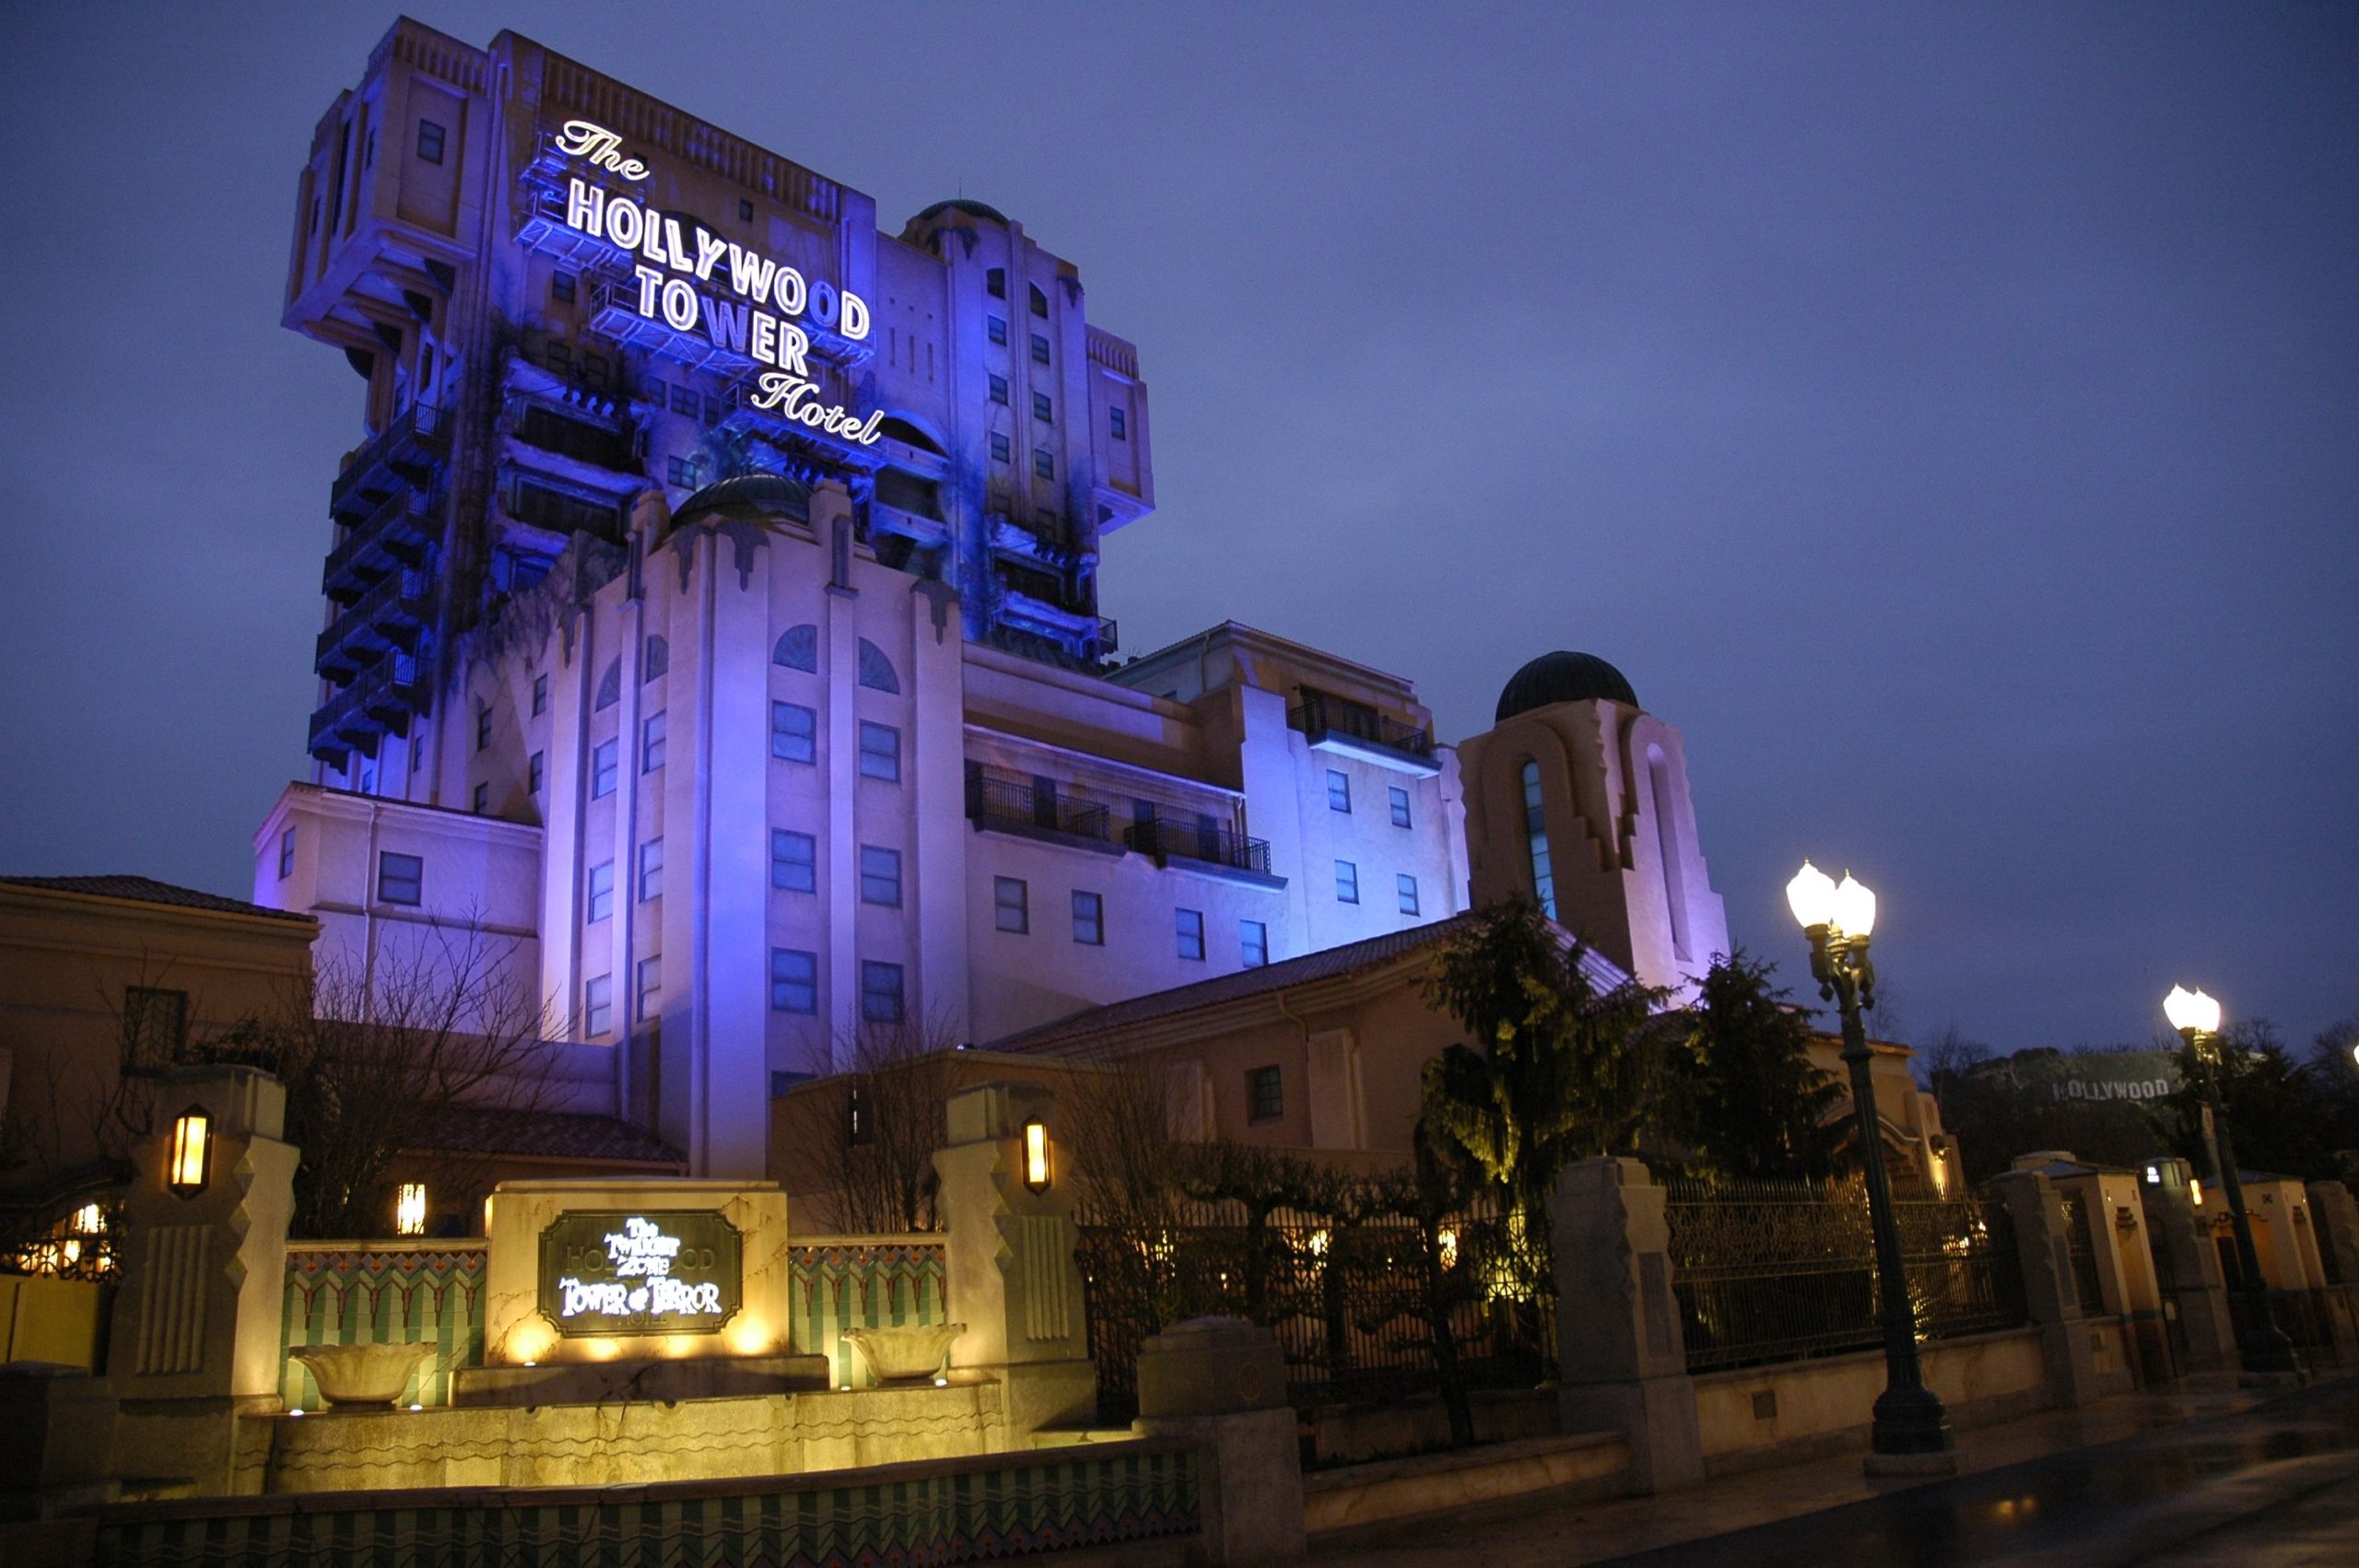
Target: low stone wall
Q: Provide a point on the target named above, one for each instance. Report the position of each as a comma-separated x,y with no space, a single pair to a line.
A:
953,1511
1762,1415
1589,1465
1420,1424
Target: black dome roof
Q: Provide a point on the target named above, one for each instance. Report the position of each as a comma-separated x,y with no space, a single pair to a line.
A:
960,203
1563,677
768,495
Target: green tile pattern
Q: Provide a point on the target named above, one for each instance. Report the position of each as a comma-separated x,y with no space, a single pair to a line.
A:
839,1282
381,1293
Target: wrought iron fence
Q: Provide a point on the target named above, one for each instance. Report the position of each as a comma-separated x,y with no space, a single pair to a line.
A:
1778,1272
2080,1244
1353,1302
2305,1317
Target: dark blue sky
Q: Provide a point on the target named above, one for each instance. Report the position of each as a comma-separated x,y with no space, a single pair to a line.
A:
1947,415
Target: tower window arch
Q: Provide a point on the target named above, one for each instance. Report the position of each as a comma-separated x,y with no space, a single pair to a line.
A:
659,658
798,649
610,685
876,670
1667,847
1535,832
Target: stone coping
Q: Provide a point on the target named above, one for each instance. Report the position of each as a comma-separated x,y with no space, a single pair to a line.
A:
1479,1457
1924,1347
1432,1483
489,1497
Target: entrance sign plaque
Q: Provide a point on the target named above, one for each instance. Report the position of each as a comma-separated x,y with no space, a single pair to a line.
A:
652,1271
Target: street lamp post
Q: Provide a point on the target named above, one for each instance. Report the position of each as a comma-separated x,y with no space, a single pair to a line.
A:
2262,1346
1911,1431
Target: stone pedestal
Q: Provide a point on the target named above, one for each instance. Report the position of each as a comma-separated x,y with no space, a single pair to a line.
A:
194,1343
2043,1245
2335,1215
2189,1269
1008,1259
1619,1342
1221,1383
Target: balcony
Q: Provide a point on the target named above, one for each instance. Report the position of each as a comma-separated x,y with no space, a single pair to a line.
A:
999,804
739,413
388,618
1355,729
579,440
404,452
1205,848
383,699
1109,638
396,534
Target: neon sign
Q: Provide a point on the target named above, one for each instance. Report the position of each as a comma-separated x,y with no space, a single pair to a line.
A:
648,1273
683,271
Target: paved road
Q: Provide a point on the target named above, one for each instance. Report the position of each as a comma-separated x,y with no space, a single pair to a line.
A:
2277,1484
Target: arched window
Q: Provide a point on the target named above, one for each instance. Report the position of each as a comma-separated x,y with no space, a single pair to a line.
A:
799,648
610,685
1667,846
1039,301
876,670
1535,831
659,657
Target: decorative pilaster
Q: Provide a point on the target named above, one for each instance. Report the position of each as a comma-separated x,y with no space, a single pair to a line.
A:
1619,1340
2043,1242
2189,1269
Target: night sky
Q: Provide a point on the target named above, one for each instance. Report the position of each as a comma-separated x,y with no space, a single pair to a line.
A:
1948,417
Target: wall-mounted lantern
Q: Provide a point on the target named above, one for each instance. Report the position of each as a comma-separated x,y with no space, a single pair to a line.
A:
191,1158
1035,1155
410,1209
2195,1191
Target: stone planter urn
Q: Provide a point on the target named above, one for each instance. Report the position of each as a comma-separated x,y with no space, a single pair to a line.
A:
910,1353
362,1375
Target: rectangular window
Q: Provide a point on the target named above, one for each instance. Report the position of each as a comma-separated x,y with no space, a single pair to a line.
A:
286,854
429,141
155,1025
1253,942
1339,792
794,731
482,803
602,891
1265,1095
1012,905
996,282
651,870
1191,923
594,369
1044,465
650,743
880,992
1399,805
401,879
880,876
1347,883
794,860
1003,449
602,770
561,288
1042,409
880,752
598,1006
745,210
483,729
998,390
794,980
1089,920
535,774
1119,424
540,696
1407,887
1040,349
685,401
650,987
997,325
559,356
679,473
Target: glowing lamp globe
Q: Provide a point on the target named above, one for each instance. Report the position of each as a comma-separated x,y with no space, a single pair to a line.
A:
2191,1011
1855,908
1811,896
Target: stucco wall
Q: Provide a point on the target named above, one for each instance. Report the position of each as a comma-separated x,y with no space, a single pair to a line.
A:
1830,1401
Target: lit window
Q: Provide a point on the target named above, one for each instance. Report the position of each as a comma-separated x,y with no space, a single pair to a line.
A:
286,854
1003,449
602,891
540,696
651,870
998,390
483,729
1191,924
1012,905
880,752
1347,883
685,401
602,770
1042,409
1535,830
1339,792
680,473
1044,465
401,879
1089,920
1407,887
794,980
794,732
1265,1095
997,326
650,987
535,774
561,288
598,1006
880,876
482,802
1119,424
650,743
1253,941
880,992
794,860
1399,805
429,141
410,1209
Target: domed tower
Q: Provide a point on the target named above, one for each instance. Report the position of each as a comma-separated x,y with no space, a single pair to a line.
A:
1577,798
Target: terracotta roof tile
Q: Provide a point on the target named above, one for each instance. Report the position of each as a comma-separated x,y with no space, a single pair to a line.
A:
573,1135
147,890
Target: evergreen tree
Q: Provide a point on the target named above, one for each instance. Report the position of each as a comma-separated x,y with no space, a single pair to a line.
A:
1750,1104
2281,1115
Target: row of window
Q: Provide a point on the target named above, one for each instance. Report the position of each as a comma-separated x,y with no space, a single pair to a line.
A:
1339,797
1011,913
1347,887
794,989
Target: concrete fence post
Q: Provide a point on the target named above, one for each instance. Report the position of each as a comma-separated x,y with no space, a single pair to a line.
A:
2043,1245
196,1339
1008,1258
2189,1267
1619,1343
1221,1383
2334,1215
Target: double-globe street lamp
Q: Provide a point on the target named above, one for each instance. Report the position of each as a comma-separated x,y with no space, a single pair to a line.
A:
1911,1431
2265,1349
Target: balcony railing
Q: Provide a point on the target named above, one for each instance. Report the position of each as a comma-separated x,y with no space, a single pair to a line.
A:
388,616
385,697
1013,806
407,449
1199,841
1323,718
1110,636
396,532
